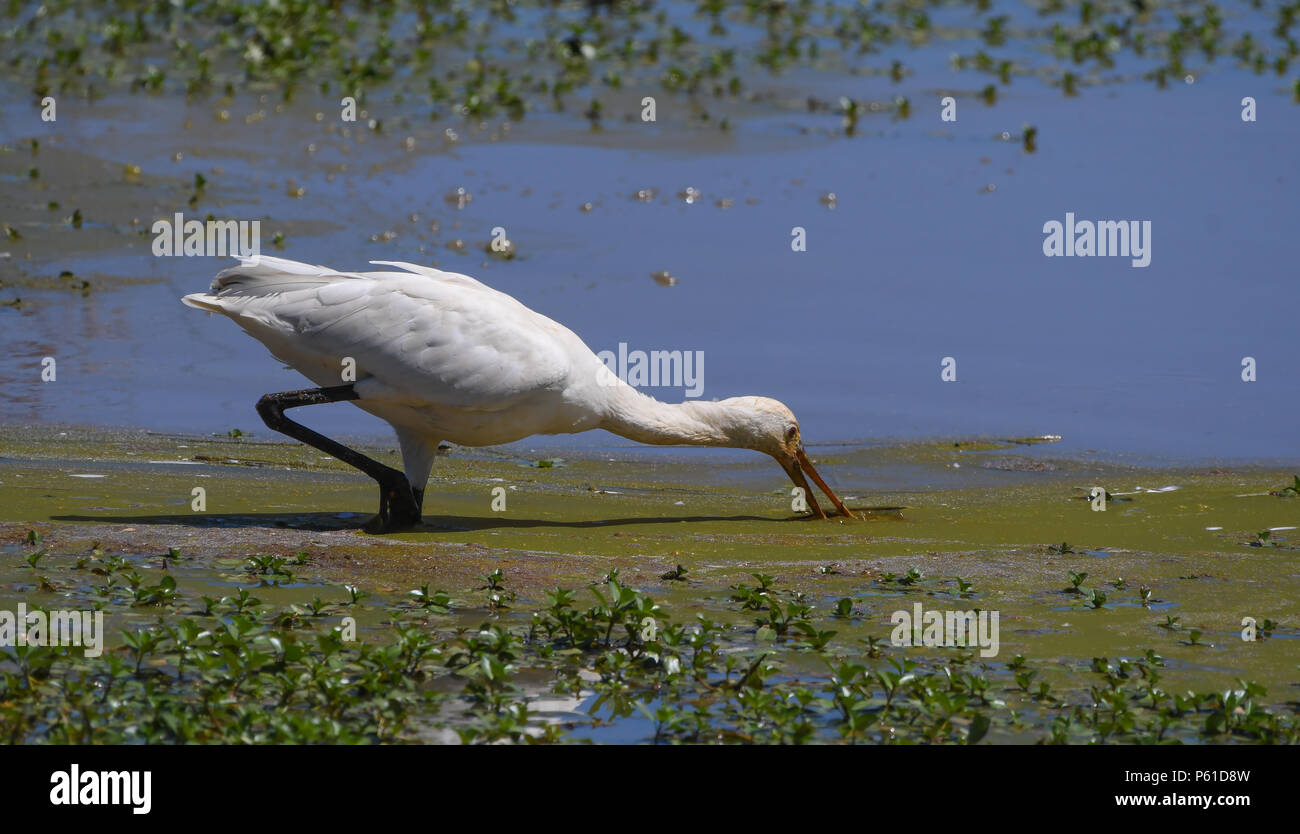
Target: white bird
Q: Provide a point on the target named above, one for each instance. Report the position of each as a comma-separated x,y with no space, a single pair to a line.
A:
442,357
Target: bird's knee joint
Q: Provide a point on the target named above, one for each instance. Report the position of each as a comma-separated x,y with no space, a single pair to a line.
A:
269,409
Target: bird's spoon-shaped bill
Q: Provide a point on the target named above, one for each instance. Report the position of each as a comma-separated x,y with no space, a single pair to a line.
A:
796,469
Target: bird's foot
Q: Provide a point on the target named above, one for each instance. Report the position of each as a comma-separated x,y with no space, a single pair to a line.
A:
399,509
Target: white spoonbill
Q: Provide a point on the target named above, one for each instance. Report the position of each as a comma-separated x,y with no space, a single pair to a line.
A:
442,357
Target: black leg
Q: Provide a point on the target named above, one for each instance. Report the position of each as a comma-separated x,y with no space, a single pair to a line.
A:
399,505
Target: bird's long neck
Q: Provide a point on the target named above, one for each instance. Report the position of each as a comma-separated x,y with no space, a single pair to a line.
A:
644,419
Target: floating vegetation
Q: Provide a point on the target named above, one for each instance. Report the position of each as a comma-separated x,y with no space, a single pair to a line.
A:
501,248
474,61
186,667
459,198
677,574
1289,491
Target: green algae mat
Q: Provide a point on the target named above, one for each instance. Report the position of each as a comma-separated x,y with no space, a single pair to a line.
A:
625,598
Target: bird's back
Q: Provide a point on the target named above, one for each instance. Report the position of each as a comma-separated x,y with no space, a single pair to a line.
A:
429,345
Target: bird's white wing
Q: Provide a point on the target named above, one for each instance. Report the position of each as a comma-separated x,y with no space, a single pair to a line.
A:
418,338
437,274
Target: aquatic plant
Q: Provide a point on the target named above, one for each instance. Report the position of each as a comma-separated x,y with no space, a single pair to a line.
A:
479,60
242,669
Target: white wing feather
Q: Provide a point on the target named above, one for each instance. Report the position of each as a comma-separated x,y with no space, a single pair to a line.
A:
419,338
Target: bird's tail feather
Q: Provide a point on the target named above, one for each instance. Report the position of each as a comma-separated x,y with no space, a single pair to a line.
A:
261,275
263,270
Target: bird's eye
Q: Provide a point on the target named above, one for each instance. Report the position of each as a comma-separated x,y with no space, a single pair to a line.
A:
791,433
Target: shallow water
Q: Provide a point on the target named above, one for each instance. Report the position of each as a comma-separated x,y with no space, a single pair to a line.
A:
932,248
1194,546
917,261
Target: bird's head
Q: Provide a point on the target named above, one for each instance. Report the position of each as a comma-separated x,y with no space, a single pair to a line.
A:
766,425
